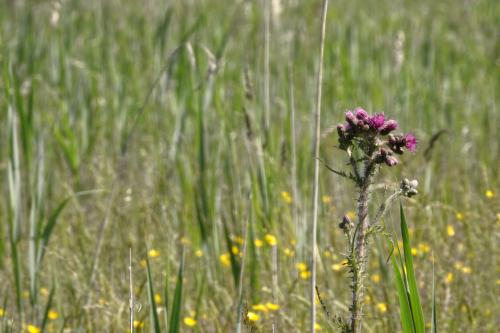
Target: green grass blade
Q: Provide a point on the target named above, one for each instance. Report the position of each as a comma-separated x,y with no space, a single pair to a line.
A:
415,304
235,267
49,228
166,295
175,318
434,316
47,308
404,303
155,321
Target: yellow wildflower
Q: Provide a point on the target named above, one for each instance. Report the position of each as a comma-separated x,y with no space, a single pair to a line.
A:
375,278
466,270
2,312
459,216
153,253
382,307
450,230
44,291
258,243
336,267
317,327
184,241
288,252
272,306
286,197
33,329
351,215
235,250
198,253
449,278
157,299
53,315
143,263
189,321
327,254
252,316
327,199
368,299
225,259
301,267
414,251
489,194
424,247
138,324
458,265
270,239
497,281
238,239
304,275
259,307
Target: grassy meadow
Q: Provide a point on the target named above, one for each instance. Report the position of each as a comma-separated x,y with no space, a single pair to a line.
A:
179,129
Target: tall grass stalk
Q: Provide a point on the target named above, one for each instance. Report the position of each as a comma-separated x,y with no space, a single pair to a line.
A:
317,137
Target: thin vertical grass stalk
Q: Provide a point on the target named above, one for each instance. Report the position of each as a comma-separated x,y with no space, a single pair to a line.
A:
14,221
267,41
131,289
295,191
242,270
317,135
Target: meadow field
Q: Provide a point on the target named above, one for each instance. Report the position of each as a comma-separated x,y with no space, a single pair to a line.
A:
178,135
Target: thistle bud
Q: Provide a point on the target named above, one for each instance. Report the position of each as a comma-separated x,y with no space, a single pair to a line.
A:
377,121
409,187
351,119
389,126
391,161
346,225
361,114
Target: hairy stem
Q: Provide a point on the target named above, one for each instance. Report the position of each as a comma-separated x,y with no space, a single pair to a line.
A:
361,251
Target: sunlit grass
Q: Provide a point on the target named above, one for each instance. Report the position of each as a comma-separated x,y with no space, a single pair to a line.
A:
157,109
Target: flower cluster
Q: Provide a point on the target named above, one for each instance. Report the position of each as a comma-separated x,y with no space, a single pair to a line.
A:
372,133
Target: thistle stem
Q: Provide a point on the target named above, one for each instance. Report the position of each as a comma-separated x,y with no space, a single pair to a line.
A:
361,251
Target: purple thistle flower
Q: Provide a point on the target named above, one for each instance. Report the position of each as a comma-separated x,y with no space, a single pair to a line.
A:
391,161
350,118
361,114
410,142
376,121
389,126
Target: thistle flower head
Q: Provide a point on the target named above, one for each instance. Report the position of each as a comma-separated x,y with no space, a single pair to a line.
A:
410,142
361,114
388,126
351,118
376,121
391,161
371,133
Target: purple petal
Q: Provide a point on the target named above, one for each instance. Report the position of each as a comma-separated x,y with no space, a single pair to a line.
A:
410,142
377,120
361,114
350,118
389,126
391,161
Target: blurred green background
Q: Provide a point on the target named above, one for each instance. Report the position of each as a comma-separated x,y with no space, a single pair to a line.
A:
163,125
